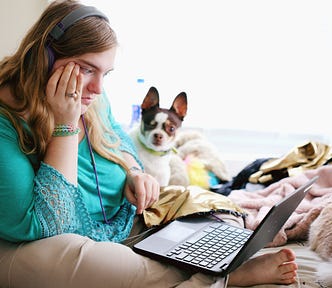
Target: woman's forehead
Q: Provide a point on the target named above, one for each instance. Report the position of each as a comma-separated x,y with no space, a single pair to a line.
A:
101,61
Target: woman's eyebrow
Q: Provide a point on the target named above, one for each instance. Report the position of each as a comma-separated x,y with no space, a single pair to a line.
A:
81,61
88,63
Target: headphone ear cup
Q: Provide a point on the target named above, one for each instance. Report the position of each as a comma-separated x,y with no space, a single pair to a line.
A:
51,57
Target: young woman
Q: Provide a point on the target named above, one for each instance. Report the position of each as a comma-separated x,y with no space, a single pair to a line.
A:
70,180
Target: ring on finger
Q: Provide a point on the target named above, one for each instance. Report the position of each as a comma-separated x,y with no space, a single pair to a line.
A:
72,95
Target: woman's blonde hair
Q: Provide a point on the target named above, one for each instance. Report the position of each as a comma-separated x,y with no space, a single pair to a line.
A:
26,73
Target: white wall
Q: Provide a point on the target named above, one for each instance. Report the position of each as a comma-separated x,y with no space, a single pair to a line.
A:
16,17
259,64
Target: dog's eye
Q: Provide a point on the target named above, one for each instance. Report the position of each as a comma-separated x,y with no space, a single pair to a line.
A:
170,129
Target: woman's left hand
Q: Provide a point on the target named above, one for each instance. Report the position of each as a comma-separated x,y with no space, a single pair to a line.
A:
141,190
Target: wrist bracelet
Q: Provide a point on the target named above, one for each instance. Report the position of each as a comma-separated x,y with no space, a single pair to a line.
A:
135,169
65,130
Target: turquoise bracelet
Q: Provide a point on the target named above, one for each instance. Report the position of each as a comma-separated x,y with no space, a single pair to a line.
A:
65,130
135,169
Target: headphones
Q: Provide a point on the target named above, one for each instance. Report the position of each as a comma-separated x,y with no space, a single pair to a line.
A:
65,23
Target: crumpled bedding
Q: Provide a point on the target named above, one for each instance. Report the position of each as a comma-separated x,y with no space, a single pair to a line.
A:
258,203
179,201
304,157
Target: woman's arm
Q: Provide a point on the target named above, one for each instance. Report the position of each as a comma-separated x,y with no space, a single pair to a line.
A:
33,204
62,151
16,188
23,218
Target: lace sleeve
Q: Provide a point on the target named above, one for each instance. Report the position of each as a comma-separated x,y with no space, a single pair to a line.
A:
60,209
54,202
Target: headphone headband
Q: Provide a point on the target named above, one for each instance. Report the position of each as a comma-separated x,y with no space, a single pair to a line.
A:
72,17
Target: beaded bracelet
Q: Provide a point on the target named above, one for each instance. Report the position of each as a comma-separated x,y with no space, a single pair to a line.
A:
135,169
65,130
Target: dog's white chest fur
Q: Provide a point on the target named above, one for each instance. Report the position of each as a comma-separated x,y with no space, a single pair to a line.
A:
155,164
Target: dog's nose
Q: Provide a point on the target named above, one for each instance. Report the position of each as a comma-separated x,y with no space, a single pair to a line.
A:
157,138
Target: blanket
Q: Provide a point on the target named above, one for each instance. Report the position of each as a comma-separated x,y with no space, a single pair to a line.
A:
179,201
258,203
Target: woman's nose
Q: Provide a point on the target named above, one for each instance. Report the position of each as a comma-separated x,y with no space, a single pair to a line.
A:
96,85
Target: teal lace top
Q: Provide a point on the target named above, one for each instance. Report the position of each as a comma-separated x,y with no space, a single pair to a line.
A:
42,203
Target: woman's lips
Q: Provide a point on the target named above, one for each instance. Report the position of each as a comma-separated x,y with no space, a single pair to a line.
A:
87,101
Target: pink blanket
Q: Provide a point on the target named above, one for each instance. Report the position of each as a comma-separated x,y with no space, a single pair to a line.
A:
297,227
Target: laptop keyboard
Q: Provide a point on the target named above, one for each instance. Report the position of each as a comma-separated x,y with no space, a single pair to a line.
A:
211,245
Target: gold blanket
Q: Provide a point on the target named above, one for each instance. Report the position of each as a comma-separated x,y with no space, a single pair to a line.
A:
179,201
304,157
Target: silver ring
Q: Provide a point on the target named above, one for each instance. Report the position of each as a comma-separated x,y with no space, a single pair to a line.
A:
72,95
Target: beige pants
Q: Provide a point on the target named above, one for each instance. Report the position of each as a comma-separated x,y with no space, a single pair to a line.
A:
73,261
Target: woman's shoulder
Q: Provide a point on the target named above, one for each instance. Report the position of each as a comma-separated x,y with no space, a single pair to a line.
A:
6,125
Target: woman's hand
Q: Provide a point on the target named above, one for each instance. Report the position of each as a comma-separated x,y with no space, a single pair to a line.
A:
63,92
141,190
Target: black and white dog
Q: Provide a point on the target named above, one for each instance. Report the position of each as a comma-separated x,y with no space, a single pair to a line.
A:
155,135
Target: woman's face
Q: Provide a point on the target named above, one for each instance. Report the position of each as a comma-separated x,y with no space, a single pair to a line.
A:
93,67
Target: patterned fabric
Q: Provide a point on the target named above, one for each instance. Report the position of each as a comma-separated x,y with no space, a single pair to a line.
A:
39,203
60,209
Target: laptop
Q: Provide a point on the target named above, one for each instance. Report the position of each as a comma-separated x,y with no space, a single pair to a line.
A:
208,245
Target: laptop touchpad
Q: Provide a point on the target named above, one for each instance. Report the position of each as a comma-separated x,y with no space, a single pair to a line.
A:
175,233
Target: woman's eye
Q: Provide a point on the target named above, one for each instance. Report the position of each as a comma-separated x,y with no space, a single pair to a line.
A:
86,70
107,73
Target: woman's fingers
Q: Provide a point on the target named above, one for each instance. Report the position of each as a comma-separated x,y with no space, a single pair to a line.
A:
67,83
64,81
52,83
71,89
146,191
64,90
79,86
152,193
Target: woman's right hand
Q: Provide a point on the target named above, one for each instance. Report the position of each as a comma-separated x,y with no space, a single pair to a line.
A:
62,151
64,81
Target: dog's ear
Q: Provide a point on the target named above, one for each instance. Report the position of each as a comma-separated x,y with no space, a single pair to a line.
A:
179,105
151,99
